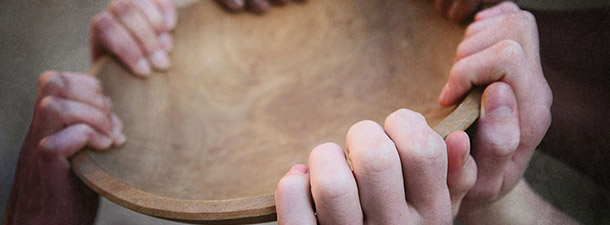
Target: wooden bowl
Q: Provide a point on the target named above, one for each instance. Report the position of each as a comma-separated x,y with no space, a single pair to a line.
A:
249,96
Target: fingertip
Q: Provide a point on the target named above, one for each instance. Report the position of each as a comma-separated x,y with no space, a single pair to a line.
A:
298,169
500,9
234,5
166,42
447,96
160,60
258,6
142,68
499,100
454,11
458,150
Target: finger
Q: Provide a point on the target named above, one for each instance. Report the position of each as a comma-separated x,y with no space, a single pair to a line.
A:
424,163
73,86
293,200
258,6
61,112
233,5
142,31
109,35
505,7
506,61
461,9
378,171
442,6
498,137
168,11
117,130
333,186
152,13
522,22
462,169
280,2
166,41
74,138
481,25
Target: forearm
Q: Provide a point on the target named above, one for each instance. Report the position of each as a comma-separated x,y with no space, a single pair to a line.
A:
57,197
520,206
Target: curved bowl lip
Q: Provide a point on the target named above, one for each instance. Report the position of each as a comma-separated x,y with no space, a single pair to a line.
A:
259,208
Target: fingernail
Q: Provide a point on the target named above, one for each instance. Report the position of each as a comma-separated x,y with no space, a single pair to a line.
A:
465,159
117,131
120,140
166,41
142,67
260,6
235,4
160,60
106,141
298,169
496,107
170,21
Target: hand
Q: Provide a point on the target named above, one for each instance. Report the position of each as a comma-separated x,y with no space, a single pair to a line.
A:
458,10
400,176
257,6
138,32
70,112
501,48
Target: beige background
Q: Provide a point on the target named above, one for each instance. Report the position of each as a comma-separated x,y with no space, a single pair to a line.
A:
53,34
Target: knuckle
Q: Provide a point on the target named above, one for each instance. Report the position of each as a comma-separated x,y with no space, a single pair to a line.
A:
85,130
320,151
101,20
510,5
503,147
49,76
527,17
427,146
290,184
362,125
404,116
331,186
510,51
377,156
119,6
50,104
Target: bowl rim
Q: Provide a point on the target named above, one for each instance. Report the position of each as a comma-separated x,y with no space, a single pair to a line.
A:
259,208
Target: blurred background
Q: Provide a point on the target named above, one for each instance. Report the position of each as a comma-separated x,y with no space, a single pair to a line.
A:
39,35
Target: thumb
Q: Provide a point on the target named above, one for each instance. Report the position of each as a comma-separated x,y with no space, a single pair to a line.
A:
496,140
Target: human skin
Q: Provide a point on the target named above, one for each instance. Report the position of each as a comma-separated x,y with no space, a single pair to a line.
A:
459,10
137,32
71,112
500,49
399,176
256,6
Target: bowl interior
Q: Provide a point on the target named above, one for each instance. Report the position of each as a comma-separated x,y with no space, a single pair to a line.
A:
249,96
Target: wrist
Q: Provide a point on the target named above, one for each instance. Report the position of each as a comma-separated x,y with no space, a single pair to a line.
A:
501,209
522,205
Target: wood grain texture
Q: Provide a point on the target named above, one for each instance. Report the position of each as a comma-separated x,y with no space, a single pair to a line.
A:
249,96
